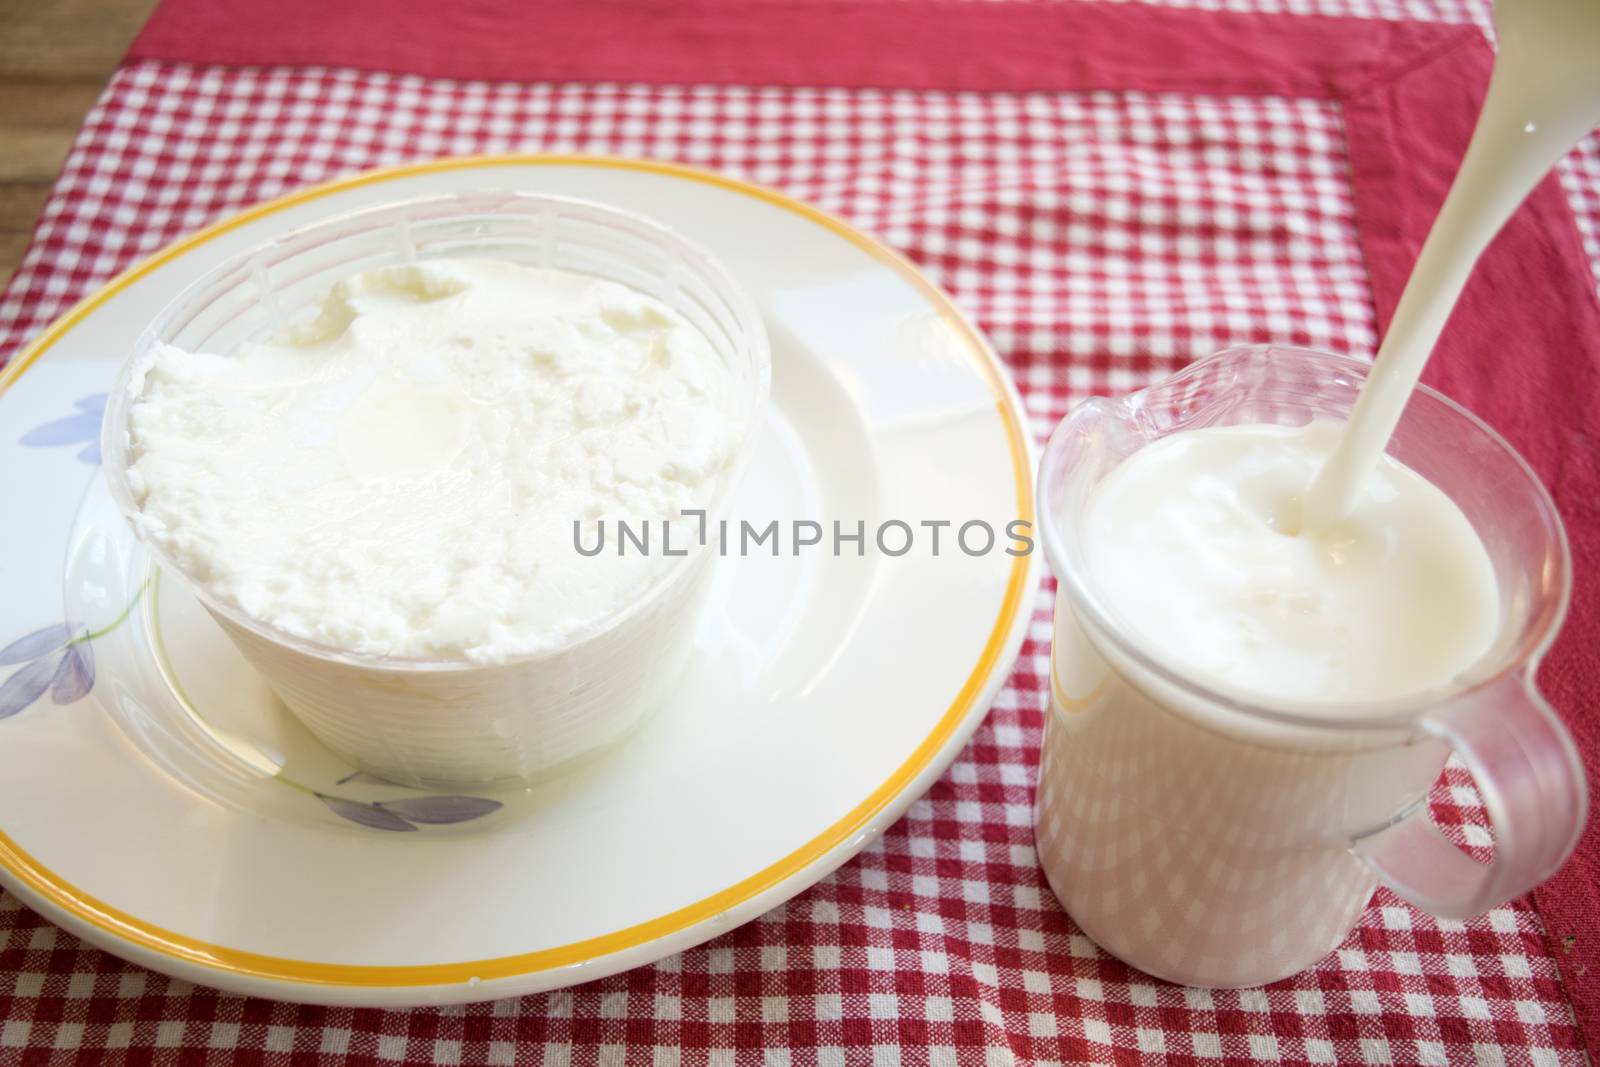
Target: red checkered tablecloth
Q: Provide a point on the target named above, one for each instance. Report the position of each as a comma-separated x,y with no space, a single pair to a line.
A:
1100,238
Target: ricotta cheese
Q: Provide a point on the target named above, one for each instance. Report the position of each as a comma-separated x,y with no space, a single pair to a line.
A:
400,474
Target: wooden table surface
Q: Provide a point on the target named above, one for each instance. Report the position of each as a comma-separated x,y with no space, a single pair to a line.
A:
55,57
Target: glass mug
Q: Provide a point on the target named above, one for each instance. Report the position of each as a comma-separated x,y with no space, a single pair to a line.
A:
1215,842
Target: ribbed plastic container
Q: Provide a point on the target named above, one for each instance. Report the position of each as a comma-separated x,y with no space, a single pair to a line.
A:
451,722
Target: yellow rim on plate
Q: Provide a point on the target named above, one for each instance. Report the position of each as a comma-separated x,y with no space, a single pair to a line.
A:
128,928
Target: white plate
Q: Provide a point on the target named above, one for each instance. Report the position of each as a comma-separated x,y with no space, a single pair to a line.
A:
158,802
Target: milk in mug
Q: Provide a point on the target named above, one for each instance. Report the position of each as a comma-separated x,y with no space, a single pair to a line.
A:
1211,846
1197,544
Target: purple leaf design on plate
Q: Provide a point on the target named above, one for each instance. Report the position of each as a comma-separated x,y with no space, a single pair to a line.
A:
27,685
366,778
82,428
441,810
369,815
75,677
72,430
36,644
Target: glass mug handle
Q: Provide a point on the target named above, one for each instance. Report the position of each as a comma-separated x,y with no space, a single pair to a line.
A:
1531,778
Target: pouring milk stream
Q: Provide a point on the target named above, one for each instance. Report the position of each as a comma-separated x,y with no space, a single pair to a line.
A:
1544,96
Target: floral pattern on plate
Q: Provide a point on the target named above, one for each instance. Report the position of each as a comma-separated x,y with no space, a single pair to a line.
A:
407,814
58,658
80,428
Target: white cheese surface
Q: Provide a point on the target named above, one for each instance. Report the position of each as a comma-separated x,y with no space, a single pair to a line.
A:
400,476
